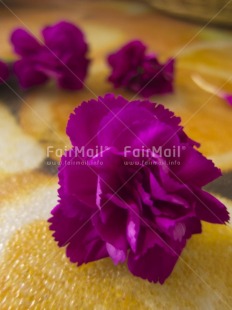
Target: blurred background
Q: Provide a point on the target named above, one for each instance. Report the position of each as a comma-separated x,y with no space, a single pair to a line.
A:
199,10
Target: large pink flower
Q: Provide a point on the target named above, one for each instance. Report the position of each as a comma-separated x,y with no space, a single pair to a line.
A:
120,193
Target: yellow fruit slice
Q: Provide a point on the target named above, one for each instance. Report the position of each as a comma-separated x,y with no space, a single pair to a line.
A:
36,273
205,117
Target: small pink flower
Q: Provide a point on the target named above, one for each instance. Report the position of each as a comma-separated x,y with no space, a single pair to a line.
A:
139,72
62,56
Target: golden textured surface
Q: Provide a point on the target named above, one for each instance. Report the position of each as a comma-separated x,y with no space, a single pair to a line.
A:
38,274
35,274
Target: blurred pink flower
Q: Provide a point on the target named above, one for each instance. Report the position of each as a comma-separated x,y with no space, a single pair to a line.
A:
139,72
62,56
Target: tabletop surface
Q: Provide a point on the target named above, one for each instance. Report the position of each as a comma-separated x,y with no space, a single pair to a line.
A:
35,273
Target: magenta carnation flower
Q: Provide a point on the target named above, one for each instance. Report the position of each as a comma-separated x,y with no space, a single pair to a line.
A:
62,56
142,73
4,72
131,187
228,98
